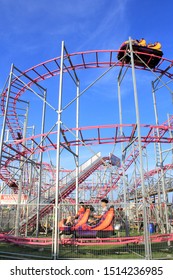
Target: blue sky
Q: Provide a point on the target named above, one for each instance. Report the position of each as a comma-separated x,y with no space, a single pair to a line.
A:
32,31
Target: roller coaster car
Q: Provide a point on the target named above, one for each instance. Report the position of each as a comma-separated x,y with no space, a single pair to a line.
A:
104,228
145,55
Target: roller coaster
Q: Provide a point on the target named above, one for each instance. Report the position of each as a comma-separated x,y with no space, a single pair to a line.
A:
53,190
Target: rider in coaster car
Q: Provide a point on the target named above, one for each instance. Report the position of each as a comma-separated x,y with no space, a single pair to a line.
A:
71,219
155,46
93,219
142,42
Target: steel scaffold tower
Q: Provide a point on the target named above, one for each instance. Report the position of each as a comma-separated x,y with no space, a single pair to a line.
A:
23,152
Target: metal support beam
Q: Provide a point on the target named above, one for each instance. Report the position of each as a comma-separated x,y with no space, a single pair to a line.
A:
123,158
146,232
5,112
56,220
18,211
40,162
77,146
160,159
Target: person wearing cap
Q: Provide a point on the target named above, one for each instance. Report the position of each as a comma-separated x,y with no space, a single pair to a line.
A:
95,218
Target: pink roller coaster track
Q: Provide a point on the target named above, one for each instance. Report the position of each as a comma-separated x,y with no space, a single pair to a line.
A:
51,68
45,241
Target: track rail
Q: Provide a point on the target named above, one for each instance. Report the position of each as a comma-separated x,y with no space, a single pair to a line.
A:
45,241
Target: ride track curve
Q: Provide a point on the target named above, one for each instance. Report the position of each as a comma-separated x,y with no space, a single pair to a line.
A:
47,241
148,175
36,73
85,60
